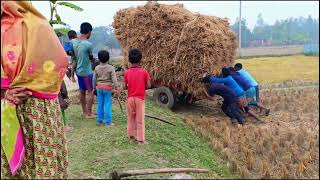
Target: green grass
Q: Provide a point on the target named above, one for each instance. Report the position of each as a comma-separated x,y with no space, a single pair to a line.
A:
116,61
96,151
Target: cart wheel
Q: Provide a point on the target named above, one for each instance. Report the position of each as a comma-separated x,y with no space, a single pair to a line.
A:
164,97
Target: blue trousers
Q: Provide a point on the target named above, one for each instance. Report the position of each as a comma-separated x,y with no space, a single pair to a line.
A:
104,106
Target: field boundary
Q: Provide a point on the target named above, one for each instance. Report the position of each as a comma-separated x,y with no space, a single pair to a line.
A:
270,51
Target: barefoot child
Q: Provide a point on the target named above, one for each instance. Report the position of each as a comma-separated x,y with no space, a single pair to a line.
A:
104,78
136,80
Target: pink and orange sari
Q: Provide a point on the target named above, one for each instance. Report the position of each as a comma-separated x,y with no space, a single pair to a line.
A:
31,57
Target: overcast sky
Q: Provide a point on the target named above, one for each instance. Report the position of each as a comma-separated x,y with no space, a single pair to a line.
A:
100,13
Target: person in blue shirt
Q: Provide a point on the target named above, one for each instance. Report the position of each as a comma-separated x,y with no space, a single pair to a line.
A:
230,99
244,83
245,74
253,94
227,80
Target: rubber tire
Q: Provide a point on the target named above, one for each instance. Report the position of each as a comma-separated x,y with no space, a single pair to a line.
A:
169,93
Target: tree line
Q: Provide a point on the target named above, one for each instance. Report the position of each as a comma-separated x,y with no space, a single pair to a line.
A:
290,31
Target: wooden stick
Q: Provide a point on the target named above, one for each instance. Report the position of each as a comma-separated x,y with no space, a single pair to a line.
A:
122,174
150,116
120,105
146,115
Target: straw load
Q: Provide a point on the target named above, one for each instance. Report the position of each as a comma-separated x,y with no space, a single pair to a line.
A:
178,46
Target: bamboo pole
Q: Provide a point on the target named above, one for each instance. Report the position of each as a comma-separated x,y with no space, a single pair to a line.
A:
146,115
127,173
157,118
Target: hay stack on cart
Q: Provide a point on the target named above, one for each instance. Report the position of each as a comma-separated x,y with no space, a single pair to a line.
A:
178,46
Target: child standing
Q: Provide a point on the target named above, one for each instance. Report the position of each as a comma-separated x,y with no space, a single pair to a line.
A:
136,79
69,49
104,78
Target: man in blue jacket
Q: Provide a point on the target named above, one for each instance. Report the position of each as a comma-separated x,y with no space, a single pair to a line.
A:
244,83
252,95
230,99
227,80
245,74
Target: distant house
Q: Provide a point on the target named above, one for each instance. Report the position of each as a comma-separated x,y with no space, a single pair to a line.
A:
260,42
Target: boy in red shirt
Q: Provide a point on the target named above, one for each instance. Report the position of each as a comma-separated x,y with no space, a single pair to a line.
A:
136,80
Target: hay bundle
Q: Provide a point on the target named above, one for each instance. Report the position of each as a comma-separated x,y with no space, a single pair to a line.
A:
178,46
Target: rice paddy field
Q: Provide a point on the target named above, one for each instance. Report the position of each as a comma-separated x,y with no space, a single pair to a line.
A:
285,146
278,69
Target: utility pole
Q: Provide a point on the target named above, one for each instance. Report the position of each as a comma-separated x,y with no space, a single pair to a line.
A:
240,29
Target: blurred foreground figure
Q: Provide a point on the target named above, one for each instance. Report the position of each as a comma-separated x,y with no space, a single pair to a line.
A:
33,64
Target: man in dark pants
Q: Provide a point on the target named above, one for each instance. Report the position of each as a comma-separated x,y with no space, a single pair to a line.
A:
230,99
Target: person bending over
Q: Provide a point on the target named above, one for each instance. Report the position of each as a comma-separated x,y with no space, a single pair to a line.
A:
230,99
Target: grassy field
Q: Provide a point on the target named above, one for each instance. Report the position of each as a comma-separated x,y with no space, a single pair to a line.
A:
96,151
277,69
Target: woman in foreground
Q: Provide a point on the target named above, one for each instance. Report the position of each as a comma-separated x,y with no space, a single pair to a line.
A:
33,64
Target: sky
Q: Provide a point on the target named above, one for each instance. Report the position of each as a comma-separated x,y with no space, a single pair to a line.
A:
100,13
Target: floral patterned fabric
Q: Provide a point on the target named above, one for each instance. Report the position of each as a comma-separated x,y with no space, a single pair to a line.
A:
31,57
46,152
